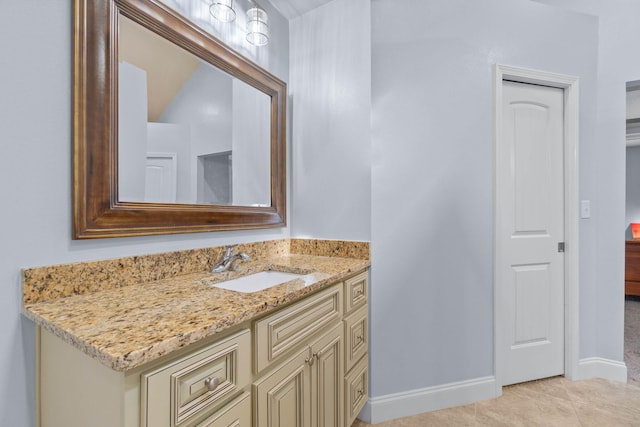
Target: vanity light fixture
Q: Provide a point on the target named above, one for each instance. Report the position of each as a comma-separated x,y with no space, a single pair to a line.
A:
222,10
257,26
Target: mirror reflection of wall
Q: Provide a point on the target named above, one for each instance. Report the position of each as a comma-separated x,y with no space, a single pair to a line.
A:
633,155
171,102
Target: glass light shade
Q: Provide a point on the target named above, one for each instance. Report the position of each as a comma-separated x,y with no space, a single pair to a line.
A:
257,27
222,10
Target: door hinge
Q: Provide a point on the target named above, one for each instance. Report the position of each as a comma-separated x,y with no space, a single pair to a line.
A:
560,246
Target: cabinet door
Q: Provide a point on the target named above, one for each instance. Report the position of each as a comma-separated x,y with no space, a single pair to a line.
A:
356,327
327,375
356,385
283,397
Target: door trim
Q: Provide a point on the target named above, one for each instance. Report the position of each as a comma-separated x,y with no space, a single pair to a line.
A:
570,86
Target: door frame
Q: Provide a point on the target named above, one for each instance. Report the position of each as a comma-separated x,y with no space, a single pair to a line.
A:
570,86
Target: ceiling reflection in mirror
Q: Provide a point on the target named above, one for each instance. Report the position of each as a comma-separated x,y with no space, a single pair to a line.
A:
188,132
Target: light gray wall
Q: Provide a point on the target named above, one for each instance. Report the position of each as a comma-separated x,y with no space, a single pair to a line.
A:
432,176
224,114
617,64
173,138
36,179
204,102
203,108
251,165
132,132
331,96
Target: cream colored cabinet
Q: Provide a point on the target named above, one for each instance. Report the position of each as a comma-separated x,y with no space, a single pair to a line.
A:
179,393
356,291
205,386
356,332
306,389
283,396
356,327
283,332
299,359
356,384
327,370
304,365
234,414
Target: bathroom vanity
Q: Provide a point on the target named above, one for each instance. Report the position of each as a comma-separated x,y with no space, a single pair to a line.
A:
180,351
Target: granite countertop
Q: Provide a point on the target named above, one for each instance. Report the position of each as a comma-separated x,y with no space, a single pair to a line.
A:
126,327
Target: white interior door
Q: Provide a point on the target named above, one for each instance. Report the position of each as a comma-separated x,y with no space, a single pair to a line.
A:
161,178
530,265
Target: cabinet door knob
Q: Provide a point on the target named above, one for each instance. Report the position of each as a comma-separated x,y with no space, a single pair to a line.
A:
211,383
309,361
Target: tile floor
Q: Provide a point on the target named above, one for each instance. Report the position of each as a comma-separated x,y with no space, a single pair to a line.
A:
550,402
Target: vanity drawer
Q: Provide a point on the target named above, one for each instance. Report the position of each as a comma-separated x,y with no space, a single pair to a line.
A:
356,290
356,385
289,328
180,392
356,332
235,414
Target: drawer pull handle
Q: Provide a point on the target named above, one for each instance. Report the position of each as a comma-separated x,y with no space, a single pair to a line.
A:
359,293
211,383
359,339
359,393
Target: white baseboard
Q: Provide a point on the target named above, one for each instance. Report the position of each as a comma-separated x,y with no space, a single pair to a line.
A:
598,367
384,408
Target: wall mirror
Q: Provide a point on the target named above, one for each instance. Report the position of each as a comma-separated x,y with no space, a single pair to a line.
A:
174,131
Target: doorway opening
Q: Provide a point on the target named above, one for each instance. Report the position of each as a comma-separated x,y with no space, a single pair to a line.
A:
632,236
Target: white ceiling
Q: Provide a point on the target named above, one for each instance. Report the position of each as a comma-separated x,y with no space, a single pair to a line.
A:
294,8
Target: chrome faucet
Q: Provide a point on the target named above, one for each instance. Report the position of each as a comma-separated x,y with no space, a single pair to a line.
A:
228,261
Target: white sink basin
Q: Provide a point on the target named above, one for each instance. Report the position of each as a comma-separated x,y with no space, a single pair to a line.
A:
257,282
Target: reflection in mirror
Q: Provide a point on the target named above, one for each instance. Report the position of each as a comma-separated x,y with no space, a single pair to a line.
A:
187,131
222,186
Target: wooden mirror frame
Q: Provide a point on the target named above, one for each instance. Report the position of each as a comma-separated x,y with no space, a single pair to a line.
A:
97,210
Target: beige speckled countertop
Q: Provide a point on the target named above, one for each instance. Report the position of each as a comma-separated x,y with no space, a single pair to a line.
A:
126,327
